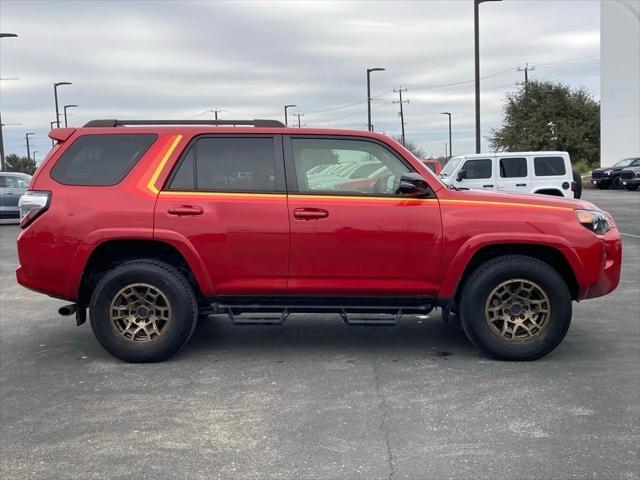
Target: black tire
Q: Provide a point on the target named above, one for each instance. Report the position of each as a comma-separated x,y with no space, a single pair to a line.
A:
602,186
166,279
615,182
577,178
491,274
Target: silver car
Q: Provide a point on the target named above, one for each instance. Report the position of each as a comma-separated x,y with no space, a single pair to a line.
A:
12,187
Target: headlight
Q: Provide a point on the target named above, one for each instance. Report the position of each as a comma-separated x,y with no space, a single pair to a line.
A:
596,221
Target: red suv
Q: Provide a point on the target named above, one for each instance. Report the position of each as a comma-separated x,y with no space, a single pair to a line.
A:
149,224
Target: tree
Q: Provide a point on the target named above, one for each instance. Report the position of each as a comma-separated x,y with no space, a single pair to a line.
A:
551,116
412,147
15,163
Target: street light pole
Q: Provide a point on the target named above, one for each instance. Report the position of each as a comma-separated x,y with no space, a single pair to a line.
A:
476,32
286,107
450,148
28,148
369,70
55,97
65,113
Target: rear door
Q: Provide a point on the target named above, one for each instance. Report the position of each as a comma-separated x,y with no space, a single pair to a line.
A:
552,172
513,174
226,196
358,239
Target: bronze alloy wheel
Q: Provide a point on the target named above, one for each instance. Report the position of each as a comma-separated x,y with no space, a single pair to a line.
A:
517,310
140,313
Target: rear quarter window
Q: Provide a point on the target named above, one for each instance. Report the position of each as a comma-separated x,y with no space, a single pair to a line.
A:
101,160
549,166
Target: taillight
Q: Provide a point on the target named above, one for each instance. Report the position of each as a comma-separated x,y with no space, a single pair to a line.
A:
33,204
574,185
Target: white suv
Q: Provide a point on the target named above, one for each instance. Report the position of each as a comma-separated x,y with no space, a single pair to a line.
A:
549,173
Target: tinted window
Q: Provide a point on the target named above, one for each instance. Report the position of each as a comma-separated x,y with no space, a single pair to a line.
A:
478,168
513,167
101,159
636,163
549,166
185,177
221,164
360,167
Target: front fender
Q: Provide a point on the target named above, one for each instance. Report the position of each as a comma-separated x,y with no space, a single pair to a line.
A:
473,245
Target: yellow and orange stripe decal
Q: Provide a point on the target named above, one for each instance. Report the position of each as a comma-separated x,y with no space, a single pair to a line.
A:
151,185
486,203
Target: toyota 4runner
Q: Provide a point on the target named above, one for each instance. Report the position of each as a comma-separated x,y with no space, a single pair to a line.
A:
145,225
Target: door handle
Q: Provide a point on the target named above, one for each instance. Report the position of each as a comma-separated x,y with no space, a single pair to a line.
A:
486,186
521,184
185,210
310,213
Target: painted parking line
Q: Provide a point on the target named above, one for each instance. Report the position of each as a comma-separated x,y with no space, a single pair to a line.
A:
629,235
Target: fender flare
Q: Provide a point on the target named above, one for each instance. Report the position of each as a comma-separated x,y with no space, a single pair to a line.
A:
458,265
173,239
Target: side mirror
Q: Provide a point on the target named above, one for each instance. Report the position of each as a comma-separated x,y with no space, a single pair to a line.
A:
462,175
414,185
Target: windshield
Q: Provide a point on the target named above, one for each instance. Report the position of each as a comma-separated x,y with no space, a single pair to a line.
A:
624,163
450,166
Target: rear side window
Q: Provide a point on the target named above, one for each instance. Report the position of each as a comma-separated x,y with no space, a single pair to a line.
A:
101,159
222,164
478,168
549,166
513,167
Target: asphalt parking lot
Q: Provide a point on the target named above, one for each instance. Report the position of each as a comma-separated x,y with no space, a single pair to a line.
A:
316,398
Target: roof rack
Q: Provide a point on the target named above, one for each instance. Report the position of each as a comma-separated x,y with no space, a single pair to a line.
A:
119,123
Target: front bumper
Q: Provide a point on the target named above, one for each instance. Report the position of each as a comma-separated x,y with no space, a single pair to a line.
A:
602,264
625,182
602,181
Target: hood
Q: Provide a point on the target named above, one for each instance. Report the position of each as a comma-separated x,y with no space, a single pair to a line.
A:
524,198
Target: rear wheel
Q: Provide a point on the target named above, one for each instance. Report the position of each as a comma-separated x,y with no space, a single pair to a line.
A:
577,178
515,308
143,311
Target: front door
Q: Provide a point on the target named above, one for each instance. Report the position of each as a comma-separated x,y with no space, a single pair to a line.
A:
478,173
357,237
227,198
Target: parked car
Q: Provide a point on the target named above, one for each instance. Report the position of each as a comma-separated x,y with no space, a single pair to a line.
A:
433,165
611,176
12,186
148,224
547,173
630,177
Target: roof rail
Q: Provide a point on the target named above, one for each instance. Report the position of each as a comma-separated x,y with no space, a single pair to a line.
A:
119,123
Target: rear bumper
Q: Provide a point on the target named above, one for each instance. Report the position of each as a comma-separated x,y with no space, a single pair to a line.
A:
41,286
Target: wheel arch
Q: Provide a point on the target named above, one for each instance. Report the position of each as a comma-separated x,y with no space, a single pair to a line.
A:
554,256
109,253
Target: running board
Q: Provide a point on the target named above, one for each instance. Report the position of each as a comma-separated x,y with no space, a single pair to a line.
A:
238,318
371,319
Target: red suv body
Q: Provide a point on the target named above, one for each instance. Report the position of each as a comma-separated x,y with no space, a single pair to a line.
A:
234,221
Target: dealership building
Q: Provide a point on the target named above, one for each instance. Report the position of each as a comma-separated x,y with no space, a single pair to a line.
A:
620,80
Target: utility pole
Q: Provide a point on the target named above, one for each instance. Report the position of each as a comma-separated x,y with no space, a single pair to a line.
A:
34,154
450,144
286,107
476,31
53,144
28,147
400,101
445,150
215,113
526,69
2,165
299,115
369,70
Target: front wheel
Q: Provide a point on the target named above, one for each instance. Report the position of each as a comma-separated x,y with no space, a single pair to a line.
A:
143,311
515,308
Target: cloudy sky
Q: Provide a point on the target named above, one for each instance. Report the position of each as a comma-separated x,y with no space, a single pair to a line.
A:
179,59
